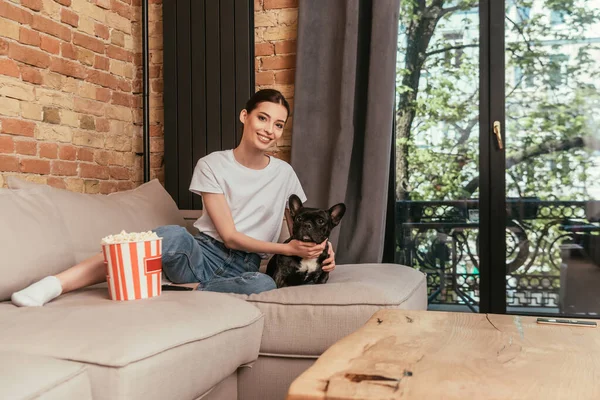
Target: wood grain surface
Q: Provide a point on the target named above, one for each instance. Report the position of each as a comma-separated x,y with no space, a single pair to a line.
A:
402,354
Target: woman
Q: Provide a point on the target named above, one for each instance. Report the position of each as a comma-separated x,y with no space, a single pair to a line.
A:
245,193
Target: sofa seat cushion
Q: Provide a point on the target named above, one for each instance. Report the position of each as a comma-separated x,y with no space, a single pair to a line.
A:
90,217
177,345
25,376
305,320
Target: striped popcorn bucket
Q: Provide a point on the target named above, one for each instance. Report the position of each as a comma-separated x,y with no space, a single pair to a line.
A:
133,269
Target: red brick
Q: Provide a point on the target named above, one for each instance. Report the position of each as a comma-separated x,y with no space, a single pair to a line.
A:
264,78
88,106
9,163
58,183
279,62
50,45
67,152
84,154
28,55
26,147
285,77
122,99
101,30
65,3
124,185
156,160
285,47
119,173
154,71
125,86
136,86
137,60
108,187
101,62
102,125
68,68
64,168
118,53
88,42
50,27
102,79
263,49
7,144
28,36
69,17
33,166
122,9
9,11
157,86
48,150
156,130
32,75
35,5
93,171
9,67
103,94
271,4
17,127
68,50
156,144
3,47
103,4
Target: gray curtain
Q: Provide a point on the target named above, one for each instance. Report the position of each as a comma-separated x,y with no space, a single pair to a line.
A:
343,116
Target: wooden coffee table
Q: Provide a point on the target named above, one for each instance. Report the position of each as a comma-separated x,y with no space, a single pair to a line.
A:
402,354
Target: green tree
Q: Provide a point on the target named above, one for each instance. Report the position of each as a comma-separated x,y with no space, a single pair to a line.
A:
550,99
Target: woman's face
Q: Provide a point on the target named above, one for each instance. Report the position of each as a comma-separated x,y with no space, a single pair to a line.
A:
264,125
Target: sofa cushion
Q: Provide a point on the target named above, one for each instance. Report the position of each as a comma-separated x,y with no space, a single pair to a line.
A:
306,320
33,238
175,346
90,217
25,376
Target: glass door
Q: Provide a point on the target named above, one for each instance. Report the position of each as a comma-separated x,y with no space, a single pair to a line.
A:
551,140
438,148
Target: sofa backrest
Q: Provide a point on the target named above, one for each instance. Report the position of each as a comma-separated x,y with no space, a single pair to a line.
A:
87,218
34,241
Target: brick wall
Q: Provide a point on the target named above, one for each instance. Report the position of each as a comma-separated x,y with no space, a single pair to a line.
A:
70,85
275,26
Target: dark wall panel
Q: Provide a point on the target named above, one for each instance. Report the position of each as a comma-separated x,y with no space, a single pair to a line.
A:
208,75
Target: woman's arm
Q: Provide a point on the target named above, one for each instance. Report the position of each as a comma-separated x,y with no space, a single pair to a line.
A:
218,210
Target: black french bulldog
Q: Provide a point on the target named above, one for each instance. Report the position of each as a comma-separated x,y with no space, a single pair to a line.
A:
310,225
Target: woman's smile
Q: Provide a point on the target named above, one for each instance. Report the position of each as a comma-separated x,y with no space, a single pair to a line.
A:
263,138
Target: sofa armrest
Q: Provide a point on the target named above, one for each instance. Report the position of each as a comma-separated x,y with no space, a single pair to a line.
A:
190,216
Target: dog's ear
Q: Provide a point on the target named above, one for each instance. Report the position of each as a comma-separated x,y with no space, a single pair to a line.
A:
295,205
337,212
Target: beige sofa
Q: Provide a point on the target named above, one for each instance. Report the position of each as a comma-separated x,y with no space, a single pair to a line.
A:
181,345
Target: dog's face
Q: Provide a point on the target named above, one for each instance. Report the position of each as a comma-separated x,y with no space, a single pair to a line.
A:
313,224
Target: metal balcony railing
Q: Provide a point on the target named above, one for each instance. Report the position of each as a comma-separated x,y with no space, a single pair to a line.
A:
441,239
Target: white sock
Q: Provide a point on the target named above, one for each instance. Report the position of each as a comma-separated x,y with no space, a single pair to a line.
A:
37,294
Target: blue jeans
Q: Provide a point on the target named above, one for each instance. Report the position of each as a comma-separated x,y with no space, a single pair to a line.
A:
203,259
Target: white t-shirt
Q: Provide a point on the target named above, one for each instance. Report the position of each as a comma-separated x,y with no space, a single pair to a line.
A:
257,198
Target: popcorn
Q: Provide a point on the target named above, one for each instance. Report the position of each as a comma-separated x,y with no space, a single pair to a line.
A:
133,265
125,237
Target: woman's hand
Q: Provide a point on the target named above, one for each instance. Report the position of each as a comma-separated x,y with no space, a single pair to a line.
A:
329,263
305,249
